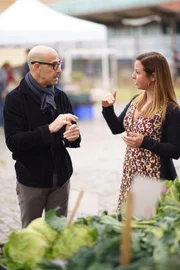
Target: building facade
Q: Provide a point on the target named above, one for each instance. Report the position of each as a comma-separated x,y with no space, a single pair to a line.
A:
134,26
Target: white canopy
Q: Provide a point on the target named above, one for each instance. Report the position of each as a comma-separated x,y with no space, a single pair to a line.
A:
30,22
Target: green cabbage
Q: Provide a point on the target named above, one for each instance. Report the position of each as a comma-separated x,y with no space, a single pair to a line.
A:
72,239
39,225
24,249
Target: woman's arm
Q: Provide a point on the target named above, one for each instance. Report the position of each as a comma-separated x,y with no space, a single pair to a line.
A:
115,122
170,147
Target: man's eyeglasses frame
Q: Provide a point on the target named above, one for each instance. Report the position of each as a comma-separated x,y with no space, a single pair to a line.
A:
55,65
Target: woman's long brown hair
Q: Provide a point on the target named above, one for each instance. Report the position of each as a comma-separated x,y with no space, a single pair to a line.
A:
164,93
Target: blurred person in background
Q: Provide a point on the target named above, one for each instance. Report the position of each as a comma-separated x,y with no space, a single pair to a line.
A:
39,124
25,67
11,80
151,121
3,85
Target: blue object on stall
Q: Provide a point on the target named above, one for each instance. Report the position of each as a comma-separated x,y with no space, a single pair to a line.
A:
84,111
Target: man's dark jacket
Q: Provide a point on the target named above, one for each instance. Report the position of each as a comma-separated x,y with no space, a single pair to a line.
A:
37,152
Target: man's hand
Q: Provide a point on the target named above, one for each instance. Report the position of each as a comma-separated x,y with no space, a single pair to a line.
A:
61,120
72,133
109,99
133,139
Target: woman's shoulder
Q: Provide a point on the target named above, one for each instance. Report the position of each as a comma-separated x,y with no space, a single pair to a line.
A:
172,110
133,99
173,107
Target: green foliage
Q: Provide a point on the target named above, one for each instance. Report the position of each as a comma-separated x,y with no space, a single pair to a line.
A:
104,254
39,225
24,249
93,243
72,239
169,203
56,223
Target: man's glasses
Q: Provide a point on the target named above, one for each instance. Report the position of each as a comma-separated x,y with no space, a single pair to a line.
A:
55,65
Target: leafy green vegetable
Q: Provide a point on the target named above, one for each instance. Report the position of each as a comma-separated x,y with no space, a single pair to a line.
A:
24,250
47,265
168,263
92,243
57,223
169,203
104,254
39,225
72,239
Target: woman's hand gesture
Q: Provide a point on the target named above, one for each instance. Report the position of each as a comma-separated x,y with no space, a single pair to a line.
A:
109,99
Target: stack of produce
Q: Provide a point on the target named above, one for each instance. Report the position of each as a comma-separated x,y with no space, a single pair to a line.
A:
93,243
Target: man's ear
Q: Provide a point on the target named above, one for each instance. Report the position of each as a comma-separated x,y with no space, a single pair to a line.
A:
36,66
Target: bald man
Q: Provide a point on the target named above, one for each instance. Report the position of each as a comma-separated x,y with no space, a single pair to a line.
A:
39,124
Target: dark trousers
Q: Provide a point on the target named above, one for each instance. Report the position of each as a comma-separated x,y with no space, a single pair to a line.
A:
33,201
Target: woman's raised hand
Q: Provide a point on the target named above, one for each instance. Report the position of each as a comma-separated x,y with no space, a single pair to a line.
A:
109,99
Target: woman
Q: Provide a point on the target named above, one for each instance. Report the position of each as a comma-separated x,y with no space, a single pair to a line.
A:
151,121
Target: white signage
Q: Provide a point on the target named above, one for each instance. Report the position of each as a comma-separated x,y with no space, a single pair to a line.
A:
146,192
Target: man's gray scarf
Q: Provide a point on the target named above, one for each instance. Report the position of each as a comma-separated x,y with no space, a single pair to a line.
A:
46,94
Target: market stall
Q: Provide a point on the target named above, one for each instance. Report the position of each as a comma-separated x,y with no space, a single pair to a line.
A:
94,242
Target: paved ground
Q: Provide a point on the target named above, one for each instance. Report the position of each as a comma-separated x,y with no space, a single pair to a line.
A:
97,171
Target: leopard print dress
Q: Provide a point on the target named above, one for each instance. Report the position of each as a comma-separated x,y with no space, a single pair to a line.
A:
139,161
